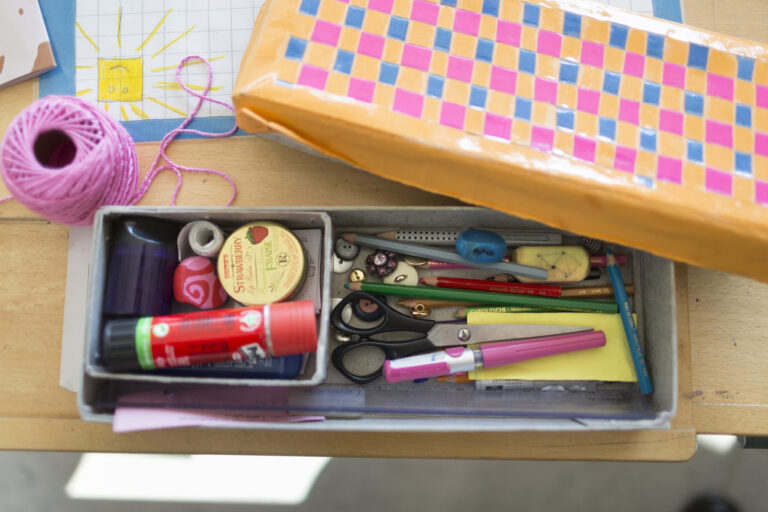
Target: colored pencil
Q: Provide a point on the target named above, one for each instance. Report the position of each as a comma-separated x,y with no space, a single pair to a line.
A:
630,329
425,251
601,260
432,303
500,299
463,312
594,291
542,290
455,378
430,236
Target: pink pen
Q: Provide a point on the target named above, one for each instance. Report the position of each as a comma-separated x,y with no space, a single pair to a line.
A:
489,355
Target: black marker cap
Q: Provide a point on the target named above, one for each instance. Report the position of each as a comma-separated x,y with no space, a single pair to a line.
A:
119,345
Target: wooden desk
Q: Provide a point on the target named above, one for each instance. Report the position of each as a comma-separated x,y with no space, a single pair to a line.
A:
720,318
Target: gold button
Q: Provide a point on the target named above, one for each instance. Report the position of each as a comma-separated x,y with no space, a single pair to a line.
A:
357,275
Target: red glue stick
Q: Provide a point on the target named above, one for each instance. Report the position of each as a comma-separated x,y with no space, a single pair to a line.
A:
148,343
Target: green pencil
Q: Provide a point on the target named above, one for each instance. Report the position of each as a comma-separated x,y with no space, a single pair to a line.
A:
494,298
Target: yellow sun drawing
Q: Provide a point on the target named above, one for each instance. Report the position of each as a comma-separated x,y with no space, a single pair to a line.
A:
126,81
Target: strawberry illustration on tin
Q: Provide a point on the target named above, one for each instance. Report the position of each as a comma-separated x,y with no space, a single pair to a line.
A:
256,234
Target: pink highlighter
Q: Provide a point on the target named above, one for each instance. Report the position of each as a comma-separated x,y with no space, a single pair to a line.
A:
489,355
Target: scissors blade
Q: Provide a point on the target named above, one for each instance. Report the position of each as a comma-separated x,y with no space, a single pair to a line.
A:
442,335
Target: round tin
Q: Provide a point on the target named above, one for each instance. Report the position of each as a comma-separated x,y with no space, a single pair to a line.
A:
260,263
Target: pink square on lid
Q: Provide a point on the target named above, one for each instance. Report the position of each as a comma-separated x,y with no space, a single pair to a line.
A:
629,111
542,138
327,33
453,115
508,33
674,75
497,126
584,148
761,192
549,43
466,22
719,133
361,89
761,96
720,86
671,121
503,80
460,68
384,6
670,169
592,53
313,76
371,45
761,144
718,181
625,159
545,90
408,102
634,64
425,12
416,57
588,101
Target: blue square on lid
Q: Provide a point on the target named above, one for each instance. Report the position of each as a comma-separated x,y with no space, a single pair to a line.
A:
531,15
608,128
618,37
443,39
451,3
398,28
491,7
743,162
477,96
344,60
484,50
388,73
527,62
565,118
355,17
309,7
695,151
572,25
435,86
523,108
655,46
694,103
746,68
648,139
744,116
569,71
611,82
651,93
697,56
296,48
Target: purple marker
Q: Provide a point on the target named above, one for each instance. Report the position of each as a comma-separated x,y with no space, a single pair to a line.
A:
489,355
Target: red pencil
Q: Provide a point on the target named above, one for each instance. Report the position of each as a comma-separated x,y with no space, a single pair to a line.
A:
544,290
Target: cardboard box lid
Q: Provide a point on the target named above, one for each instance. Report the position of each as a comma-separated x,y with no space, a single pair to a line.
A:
583,117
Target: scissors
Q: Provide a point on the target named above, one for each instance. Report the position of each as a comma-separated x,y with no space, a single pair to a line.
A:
427,334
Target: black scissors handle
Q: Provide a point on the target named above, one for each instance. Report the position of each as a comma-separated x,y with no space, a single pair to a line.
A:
391,321
391,350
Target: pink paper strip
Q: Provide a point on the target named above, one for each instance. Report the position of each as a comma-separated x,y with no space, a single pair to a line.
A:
592,53
497,126
503,80
670,169
312,76
761,192
545,90
674,75
719,133
542,138
761,96
408,103
584,148
720,86
588,101
327,33
549,43
634,64
416,57
761,144
453,115
671,121
371,45
384,6
508,33
425,12
466,22
460,68
361,89
625,159
629,111
719,181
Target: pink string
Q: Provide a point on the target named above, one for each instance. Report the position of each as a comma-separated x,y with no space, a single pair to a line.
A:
154,170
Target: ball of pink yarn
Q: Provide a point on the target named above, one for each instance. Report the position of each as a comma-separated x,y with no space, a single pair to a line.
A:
63,158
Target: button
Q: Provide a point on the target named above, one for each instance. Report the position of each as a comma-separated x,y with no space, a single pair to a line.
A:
356,276
367,310
381,263
403,274
341,266
345,250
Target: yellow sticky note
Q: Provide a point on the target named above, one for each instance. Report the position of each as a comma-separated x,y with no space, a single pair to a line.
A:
613,362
